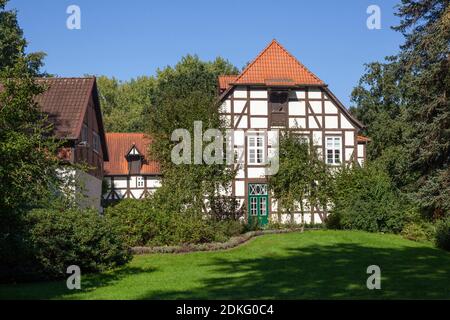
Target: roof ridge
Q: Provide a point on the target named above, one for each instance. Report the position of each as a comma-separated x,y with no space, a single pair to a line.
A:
255,59
298,61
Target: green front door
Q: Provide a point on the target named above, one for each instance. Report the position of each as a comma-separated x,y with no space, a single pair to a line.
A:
258,203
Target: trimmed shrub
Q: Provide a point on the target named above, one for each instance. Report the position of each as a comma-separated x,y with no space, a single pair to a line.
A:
145,225
366,199
230,228
442,238
60,238
135,219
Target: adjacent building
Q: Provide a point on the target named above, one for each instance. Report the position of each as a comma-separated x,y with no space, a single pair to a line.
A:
72,106
129,173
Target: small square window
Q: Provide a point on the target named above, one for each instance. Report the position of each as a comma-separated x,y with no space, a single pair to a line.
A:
140,182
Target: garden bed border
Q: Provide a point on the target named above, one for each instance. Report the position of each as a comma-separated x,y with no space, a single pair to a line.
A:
213,246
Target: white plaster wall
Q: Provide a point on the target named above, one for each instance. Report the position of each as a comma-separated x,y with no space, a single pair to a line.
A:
153,183
258,94
242,124
240,188
316,106
317,138
314,94
258,107
258,123
349,138
239,106
348,153
297,123
360,150
331,122
330,107
345,124
297,108
240,92
299,94
239,136
312,123
256,172
137,193
120,182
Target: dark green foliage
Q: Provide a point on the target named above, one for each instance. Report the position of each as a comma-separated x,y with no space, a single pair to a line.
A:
443,234
184,94
365,199
13,44
124,103
419,231
302,176
333,221
145,223
27,160
136,220
60,238
404,103
225,208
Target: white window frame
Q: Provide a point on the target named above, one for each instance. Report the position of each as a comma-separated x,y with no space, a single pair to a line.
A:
140,182
256,149
333,144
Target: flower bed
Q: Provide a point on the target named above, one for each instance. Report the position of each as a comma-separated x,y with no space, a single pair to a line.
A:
233,242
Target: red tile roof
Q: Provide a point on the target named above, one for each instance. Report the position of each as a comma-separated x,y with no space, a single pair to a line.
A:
119,145
276,66
226,80
361,138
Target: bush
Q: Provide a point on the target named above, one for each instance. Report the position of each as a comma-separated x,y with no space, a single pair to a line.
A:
365,199
442,238
146,225
230,228
333,221
418,231
135,219
60,238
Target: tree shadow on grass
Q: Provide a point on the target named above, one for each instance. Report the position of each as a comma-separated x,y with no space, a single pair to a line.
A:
325,272
59,290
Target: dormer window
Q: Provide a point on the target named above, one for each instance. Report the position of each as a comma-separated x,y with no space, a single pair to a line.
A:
134,158
279,106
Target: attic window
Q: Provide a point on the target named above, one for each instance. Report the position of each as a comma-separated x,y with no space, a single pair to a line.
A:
279,105
134,159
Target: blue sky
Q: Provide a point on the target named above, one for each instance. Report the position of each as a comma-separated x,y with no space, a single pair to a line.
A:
130,38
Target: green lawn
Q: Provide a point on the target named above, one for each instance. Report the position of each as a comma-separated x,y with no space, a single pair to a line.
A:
310,265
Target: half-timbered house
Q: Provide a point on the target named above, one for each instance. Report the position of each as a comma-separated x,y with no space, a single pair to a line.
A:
72,106
276,91
129,173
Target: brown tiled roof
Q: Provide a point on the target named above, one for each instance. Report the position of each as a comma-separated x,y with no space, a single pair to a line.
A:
276,66
119,145
65,102
224,81
361,138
